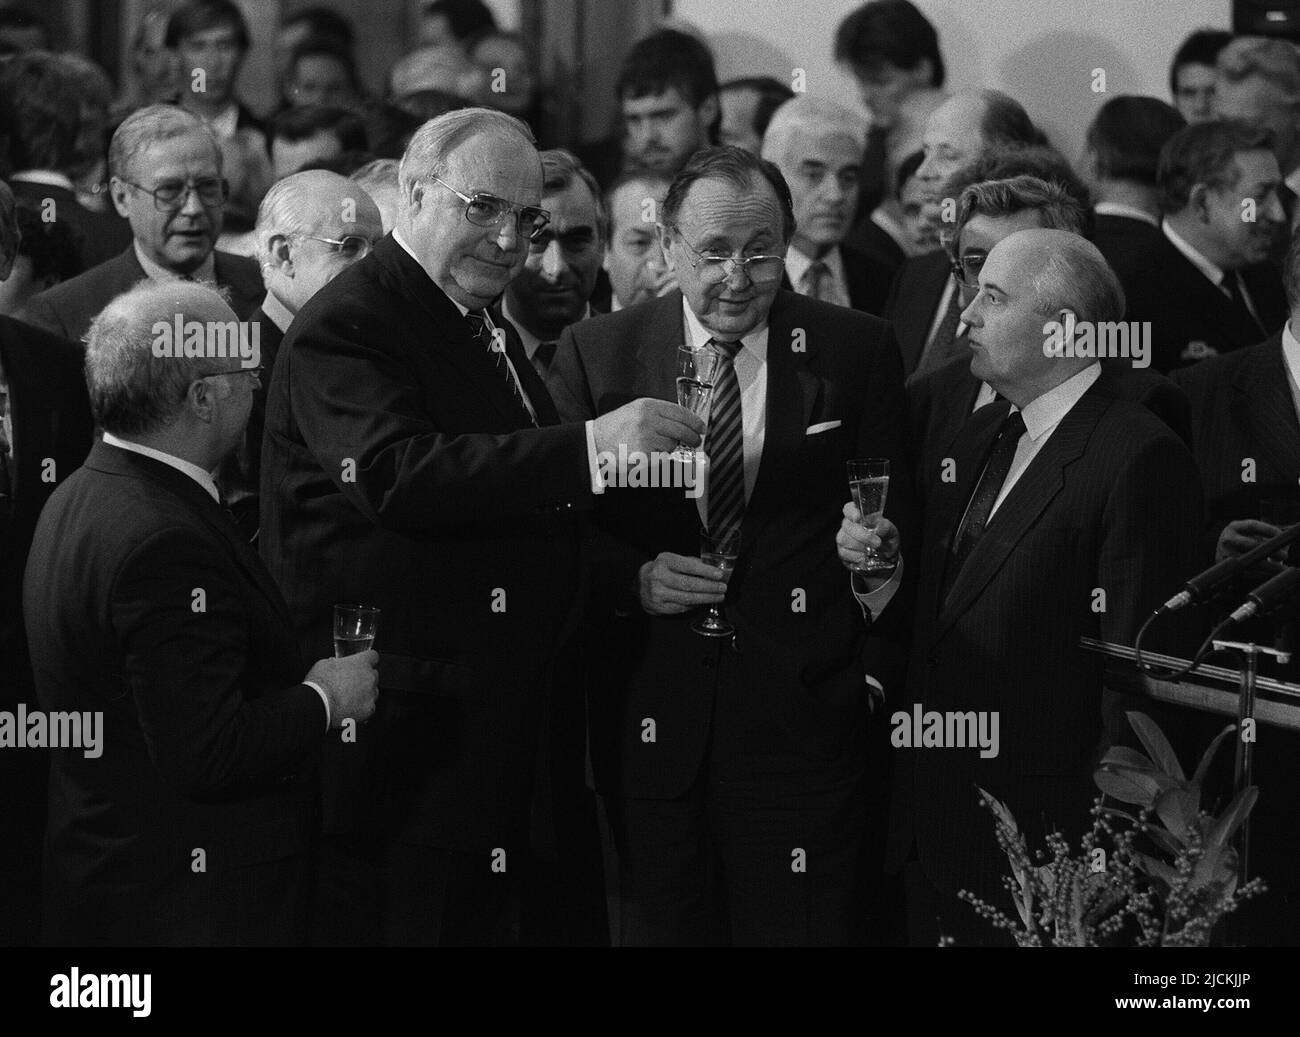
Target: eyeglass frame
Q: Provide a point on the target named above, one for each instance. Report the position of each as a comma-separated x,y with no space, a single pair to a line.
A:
190,186
508,208
256,372
337,243
742,262
957,267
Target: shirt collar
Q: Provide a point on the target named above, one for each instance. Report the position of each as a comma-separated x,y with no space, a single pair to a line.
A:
1215,273
224,124
397,236
1046,411
698,335
206,272
192,470
277,312
1132,212
530,341
1291,351
44,176
797,264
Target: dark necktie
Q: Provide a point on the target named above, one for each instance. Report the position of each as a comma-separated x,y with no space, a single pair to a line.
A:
6,489
972,526
815,278
726,444
495,344
940,347
542,357
1239,304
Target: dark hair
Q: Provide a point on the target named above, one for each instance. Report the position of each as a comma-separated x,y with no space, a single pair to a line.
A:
296,124
562,168
345,164
1203,154
668,59
892,31
1059,209
17,18
1005,122
1127,134
1040,162
906,170
320,47
389,129
324,23
201,15
772,93
737,167
465,17
53,247
1200,48
42,98
424,105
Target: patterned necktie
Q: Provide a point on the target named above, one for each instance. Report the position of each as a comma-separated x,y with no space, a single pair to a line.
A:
494,341
986,493
726,444
814,280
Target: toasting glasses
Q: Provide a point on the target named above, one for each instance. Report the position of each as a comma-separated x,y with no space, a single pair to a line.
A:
718,549
696,369
869,482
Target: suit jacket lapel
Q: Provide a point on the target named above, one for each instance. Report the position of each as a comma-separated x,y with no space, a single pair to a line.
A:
1262,402
916,310
1032,493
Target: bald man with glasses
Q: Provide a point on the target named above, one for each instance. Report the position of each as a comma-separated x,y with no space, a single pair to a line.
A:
166,179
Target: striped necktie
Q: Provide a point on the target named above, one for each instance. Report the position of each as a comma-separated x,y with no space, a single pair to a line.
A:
493,339
814,280
726,444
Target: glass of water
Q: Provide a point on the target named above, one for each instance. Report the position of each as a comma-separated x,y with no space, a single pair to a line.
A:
354,629
696,369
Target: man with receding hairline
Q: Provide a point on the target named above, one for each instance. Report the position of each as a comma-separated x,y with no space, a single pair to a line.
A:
1065,495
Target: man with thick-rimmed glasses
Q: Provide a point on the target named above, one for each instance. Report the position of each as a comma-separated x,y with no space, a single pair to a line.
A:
413,460
729,766
166,179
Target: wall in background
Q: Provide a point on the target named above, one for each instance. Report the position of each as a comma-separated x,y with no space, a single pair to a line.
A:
1042,52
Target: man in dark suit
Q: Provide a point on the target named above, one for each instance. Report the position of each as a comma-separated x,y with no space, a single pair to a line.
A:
413,460
1123,152
1207,287
187,818
166,180
749,754
45,432
817,146
54,138
310,228
555,287
1066,512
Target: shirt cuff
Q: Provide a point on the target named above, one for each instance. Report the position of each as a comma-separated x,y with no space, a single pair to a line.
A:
597,480
873,602
324,701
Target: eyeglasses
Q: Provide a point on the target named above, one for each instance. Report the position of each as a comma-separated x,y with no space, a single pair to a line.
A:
350,246
487,210
966,271
256,372
714,267
171,195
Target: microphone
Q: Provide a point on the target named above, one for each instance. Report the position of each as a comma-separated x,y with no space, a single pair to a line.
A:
1269,594
1201,586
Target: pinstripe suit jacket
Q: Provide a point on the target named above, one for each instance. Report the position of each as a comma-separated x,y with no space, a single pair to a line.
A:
1111,504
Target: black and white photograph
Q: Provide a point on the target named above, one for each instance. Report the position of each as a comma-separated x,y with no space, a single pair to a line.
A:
661,474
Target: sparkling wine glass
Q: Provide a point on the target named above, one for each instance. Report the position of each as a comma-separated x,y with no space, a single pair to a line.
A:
696,369
718,549
869,483
354,629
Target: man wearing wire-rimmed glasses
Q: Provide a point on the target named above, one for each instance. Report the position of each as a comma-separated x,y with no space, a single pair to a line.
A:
413,460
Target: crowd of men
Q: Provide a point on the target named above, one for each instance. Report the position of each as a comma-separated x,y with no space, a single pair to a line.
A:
465,346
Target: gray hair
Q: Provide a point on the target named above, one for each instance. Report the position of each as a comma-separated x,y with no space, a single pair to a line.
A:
376,175
815,116
1075,276
295,205
131,390
1275,61
433,143
152,125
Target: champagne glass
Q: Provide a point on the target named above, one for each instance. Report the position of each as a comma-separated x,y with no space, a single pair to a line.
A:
696,369
869,483
354,629
718,549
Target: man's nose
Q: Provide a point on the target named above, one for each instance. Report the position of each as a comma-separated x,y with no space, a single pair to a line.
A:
970,315
508,233
192,206
552,262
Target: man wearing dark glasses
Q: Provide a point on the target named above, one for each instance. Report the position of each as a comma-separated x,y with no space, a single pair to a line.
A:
166,179
413,460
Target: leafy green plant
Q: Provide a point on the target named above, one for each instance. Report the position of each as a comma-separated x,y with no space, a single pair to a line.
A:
1113,891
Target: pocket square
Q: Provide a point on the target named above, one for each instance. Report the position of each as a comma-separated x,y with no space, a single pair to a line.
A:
824,426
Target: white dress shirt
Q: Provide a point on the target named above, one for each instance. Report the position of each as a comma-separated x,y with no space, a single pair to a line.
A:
529,340
1216,275
277,312
1291,358
1042,416
835,282
205,480
207,270
1131,212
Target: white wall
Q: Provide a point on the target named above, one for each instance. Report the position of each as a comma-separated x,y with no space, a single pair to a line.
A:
1042,52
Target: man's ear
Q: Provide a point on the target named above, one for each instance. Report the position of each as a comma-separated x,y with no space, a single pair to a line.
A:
708,112
201,397
117,190
280,253
665,238
1199,200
